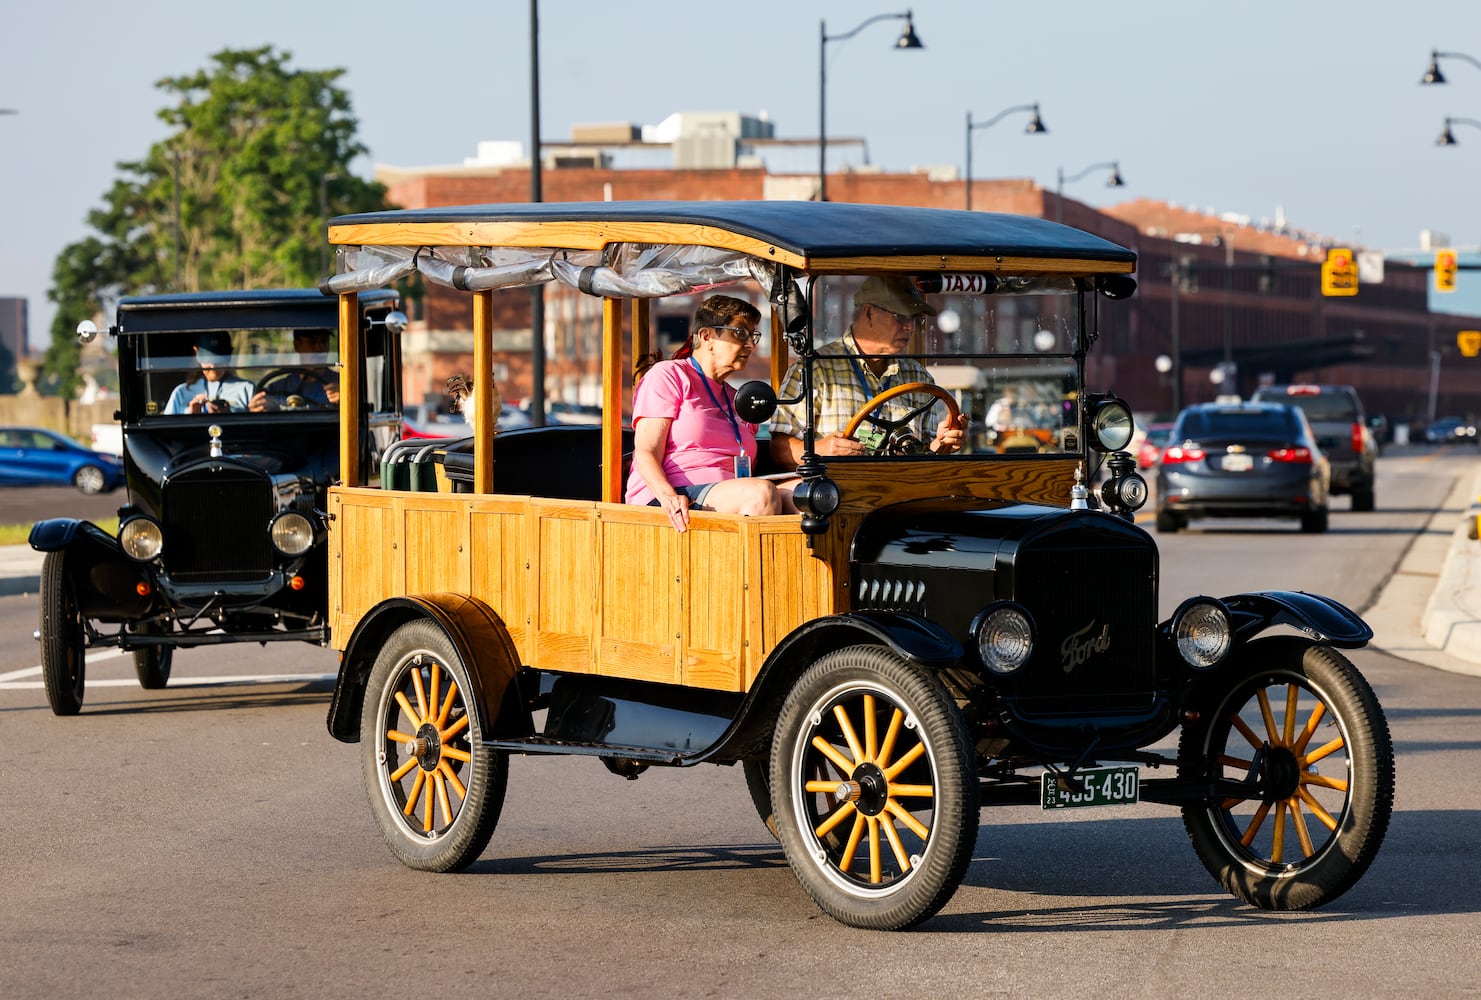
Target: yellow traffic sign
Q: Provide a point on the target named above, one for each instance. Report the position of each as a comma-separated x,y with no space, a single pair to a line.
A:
1339,272
1469,342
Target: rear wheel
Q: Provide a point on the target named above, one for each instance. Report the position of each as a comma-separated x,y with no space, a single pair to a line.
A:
63,666
89,479
1302,721
873,784
1362,498
1168,523
152,665
758,785
435,790
1314,522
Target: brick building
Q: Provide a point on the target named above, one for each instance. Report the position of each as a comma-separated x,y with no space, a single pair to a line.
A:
1231,300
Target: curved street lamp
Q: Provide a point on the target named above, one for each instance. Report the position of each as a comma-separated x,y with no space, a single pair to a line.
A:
907,40
1433,74
1447,138
1114,181
1035,126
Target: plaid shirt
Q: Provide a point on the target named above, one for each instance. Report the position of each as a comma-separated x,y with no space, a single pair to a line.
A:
839,386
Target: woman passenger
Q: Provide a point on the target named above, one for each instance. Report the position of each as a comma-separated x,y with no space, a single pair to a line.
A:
689,447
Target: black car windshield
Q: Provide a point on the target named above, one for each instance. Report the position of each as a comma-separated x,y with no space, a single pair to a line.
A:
264,371
1326,406
1205,424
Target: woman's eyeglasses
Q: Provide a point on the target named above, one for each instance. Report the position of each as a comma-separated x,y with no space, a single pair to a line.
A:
741,336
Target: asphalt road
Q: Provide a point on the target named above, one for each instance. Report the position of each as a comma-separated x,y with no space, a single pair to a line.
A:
211,840
29,504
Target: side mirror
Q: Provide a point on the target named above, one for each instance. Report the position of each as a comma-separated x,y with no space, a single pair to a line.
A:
87,331
395,321
755,402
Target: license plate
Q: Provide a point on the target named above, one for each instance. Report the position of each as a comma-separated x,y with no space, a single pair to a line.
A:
1238,463
1100,786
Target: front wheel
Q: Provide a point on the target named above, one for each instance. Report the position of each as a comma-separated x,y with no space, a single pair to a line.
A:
63,663
435,790
875,795
1302,722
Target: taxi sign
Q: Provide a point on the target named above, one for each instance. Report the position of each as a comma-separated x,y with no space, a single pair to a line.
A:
1469,342
1340,272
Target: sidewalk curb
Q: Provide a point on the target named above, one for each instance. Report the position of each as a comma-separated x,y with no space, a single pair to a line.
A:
1452,616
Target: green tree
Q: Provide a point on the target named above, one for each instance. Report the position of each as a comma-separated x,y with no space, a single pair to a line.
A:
234,197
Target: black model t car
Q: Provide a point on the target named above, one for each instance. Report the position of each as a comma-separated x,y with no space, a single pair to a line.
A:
231,419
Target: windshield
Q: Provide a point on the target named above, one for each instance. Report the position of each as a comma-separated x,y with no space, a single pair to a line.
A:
1001,348
288,372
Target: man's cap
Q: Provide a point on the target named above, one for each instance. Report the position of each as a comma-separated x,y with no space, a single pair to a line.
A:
214,348
893,294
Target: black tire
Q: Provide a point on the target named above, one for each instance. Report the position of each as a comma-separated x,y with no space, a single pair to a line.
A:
1168,523
1314,522
152,665
90,479
927,812
63,660
1362,498
1313,697
419,664
758,784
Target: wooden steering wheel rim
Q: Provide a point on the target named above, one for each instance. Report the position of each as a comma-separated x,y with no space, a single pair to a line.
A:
953,411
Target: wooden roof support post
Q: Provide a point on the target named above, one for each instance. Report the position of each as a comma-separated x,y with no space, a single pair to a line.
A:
485,415
612,484
778,351
351,350
642,334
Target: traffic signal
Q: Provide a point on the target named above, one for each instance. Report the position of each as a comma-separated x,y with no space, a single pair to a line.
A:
1339,272
1445,270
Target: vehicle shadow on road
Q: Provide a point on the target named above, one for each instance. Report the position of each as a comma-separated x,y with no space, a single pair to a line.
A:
713,857
204,698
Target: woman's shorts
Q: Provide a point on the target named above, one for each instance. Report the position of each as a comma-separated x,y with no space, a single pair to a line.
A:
696,494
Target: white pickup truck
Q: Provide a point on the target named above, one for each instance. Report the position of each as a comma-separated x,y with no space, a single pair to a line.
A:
108,438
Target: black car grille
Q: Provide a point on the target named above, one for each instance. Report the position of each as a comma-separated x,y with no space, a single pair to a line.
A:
216,526
1095,615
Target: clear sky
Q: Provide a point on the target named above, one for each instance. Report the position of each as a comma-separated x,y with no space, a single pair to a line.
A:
1310,109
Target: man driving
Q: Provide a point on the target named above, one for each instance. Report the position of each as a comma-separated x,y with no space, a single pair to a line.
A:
887,313
314,386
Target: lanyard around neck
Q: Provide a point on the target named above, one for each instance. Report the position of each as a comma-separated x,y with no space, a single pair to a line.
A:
729,412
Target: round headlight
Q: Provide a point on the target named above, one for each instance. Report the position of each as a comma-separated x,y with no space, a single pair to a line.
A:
1005,638
292,533
1202,632
141,539
1111,425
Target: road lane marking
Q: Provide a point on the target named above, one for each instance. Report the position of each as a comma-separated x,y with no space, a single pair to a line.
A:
183,682
102,654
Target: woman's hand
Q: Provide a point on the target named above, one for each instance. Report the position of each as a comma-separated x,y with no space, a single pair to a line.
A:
677,509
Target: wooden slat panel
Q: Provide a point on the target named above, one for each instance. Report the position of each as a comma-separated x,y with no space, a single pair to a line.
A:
640,601
435,547
501,566
866,486
566,577
365,570
795,586
714,586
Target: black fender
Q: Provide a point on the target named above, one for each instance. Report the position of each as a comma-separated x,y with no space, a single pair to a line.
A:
104,580
475,631
916,639
1326,621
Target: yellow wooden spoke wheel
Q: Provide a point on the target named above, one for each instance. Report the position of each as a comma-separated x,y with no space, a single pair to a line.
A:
875,796
1302,728
435,790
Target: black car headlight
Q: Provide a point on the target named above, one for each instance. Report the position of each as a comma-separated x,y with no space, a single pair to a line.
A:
292,533
1005,638
1111,424
1202,632
141,538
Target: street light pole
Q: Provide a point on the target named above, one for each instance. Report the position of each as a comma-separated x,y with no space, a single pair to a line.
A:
1433,75
907,40
1114,181
1035,127
1447,138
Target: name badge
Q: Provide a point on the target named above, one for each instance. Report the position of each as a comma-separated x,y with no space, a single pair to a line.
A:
742,465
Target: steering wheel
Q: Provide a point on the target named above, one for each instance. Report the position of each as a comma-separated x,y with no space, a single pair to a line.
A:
897,440
290,400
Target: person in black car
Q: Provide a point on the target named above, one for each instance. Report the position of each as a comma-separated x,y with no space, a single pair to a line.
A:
314,387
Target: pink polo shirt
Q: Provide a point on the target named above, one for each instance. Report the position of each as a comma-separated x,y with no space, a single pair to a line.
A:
701,444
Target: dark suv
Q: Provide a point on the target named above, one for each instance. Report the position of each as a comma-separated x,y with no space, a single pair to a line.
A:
1336,417
231,423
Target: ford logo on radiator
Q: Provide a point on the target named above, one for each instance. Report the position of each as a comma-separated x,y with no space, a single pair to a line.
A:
1078,646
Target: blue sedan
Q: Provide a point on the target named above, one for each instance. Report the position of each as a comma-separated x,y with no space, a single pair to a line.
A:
33,456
